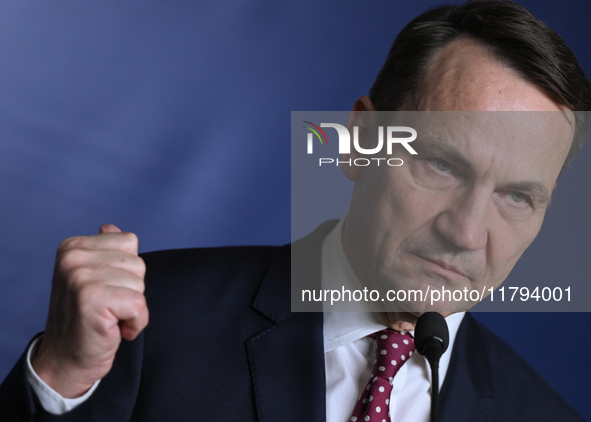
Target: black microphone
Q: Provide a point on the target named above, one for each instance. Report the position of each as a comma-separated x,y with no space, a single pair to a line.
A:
431,340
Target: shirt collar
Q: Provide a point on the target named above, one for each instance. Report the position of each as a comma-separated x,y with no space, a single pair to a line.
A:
344,327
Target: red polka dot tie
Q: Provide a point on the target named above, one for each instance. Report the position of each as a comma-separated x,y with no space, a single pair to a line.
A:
392,351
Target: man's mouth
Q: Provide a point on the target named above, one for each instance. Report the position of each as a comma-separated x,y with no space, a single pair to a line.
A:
443,268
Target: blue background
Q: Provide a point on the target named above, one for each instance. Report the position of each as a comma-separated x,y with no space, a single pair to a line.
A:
172,120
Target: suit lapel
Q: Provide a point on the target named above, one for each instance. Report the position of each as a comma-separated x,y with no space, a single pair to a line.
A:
287,360
467,391
287,370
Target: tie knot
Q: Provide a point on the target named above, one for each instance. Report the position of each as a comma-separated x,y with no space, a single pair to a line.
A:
392,351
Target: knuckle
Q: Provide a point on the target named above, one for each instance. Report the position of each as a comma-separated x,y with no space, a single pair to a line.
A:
138,303
130,239
70,243
71,258
79,275
141,267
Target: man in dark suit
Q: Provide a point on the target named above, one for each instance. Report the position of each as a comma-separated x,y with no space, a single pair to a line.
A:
223,343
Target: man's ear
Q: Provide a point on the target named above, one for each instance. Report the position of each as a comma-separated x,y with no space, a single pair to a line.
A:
356,118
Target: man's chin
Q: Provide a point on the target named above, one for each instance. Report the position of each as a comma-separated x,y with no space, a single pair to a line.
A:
400,321
405,321
416,309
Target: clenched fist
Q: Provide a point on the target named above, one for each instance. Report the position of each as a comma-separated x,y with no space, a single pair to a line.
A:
97,297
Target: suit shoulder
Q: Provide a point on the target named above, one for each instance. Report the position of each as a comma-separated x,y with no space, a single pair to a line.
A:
219,251
518,390
208,259
502,356
206,277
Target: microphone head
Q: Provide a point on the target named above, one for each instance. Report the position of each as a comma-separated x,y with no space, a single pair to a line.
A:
431,326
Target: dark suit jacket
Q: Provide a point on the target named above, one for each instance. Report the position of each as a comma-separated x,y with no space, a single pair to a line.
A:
223,345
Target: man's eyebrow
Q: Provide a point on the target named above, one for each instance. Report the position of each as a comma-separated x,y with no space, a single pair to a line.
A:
537,189
448,152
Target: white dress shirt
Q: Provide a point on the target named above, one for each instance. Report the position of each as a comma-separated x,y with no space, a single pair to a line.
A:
51,400
349,355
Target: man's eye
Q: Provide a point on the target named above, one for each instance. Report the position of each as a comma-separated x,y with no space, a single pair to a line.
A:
518,197
443,166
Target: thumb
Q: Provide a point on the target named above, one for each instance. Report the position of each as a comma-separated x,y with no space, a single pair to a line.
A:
109,228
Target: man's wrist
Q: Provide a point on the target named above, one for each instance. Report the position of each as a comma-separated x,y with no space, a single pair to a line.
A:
51,400
55,375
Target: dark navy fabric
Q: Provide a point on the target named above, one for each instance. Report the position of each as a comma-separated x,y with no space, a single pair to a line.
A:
222,345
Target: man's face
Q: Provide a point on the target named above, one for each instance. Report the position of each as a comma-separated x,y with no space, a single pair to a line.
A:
461,212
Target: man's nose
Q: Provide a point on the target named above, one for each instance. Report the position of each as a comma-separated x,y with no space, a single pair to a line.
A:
465,222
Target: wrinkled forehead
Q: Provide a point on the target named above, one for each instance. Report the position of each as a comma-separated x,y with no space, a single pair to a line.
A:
519,143
534,129
464,76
